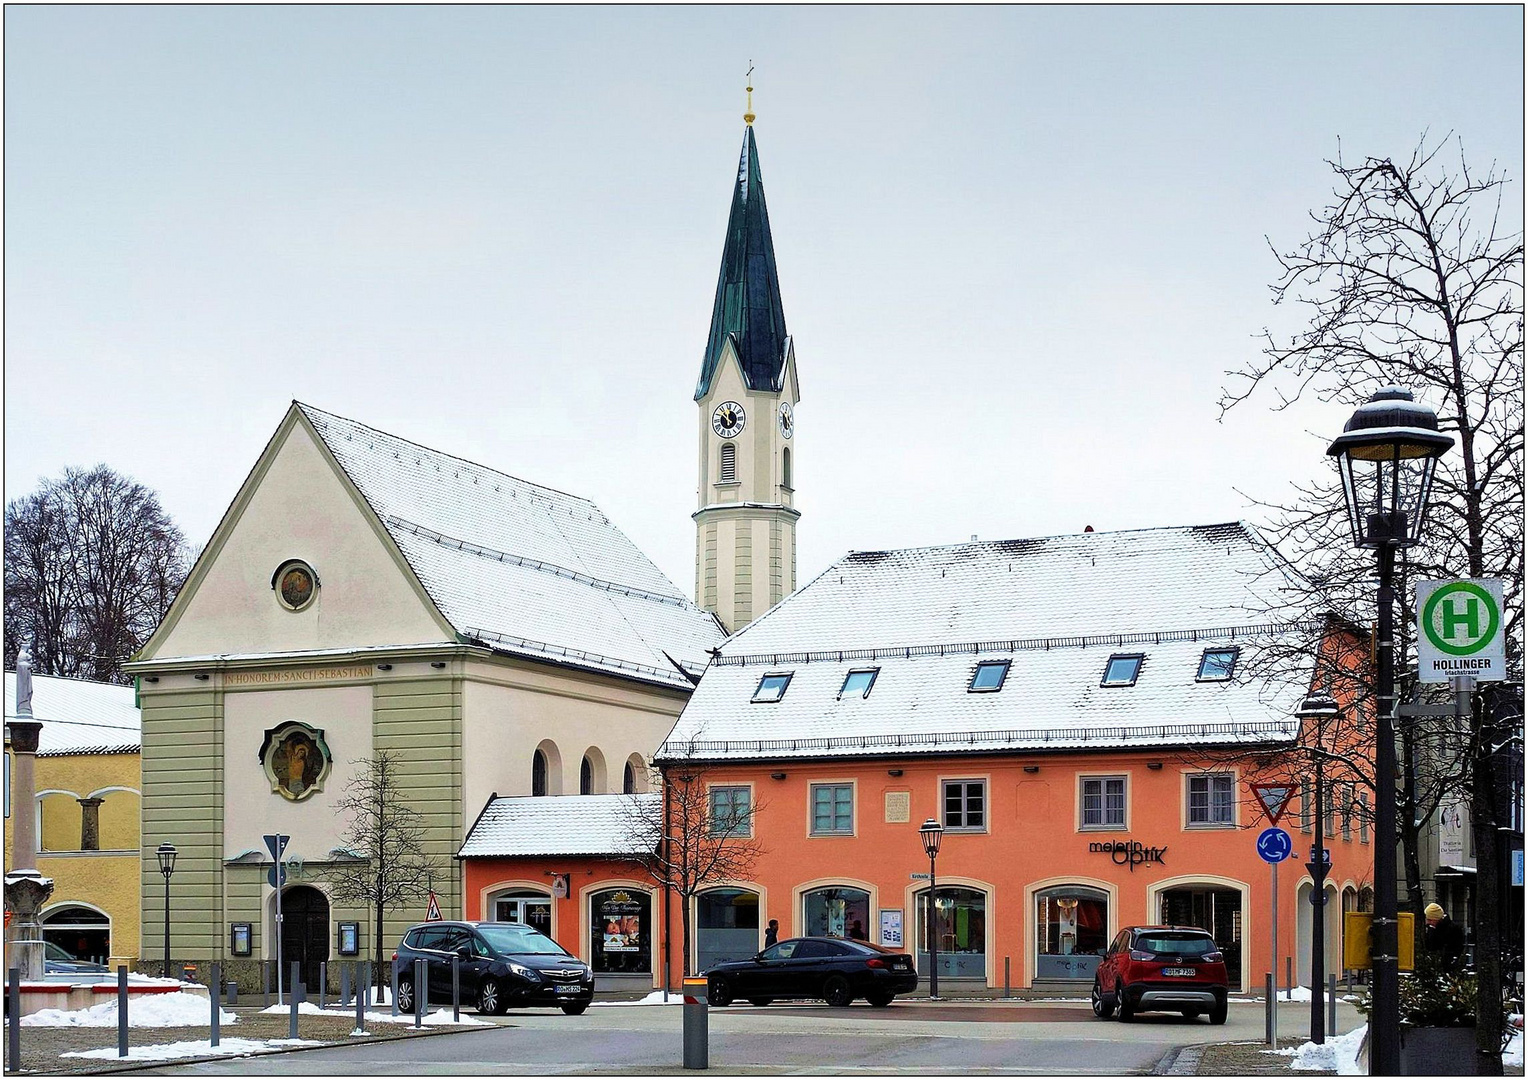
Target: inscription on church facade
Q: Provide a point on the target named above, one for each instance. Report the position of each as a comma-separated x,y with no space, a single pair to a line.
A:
243,678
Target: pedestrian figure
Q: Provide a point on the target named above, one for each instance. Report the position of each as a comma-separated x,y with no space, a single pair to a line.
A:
856,931
772,933
1443,938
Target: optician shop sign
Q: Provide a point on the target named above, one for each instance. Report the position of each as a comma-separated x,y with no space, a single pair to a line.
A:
1131,853
1461,630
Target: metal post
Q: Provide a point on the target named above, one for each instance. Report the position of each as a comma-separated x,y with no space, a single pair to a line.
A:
695,1022
292,997
217,999
1289,975
363,991
456,989
933,935
360,1005
421,984
344,983
233,993
323,981
1331,1003
395,986
1007,983
167,926
13,1022
279,924
122,1010
1385,1014
1271,1012
265,980
1317,867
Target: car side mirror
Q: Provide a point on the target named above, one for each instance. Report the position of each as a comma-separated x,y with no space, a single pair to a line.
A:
464,951
758,958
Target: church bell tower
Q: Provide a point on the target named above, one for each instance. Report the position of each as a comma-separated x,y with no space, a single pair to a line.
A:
745,526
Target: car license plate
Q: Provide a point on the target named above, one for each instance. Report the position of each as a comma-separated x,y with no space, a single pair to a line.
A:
566,989
1179,971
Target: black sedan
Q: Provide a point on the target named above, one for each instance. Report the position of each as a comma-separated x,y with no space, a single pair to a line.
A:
833,969
499,965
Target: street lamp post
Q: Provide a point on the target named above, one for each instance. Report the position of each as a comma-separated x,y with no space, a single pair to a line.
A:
166,853
932,832
1387,453
1318,709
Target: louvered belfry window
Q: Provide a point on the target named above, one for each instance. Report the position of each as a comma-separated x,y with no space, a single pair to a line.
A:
729,463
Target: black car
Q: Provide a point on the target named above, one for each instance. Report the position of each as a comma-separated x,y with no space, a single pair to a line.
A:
836,970
501,964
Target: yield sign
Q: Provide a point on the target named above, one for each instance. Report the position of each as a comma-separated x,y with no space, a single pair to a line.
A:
1275,799
432,912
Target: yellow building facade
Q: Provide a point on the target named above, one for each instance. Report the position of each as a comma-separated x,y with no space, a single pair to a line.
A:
87,810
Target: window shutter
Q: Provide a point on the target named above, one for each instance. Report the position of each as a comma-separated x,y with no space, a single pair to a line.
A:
729,463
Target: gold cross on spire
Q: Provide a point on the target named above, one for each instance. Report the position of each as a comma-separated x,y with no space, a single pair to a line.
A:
748,116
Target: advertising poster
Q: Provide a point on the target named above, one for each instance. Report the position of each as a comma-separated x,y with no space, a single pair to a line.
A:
622,916
891,928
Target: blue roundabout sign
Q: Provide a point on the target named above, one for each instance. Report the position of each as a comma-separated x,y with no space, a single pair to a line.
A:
1274,845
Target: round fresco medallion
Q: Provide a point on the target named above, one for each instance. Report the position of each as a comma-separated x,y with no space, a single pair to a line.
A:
296,585
296,760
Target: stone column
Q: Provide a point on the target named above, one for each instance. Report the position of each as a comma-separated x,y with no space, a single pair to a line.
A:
90,823
26,891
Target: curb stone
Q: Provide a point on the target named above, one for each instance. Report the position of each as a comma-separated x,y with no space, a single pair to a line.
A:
144,1066
1179,1061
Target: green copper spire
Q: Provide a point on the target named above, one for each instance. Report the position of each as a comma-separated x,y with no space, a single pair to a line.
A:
747,309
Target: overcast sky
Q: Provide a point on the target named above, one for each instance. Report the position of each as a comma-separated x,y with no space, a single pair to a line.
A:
1018,247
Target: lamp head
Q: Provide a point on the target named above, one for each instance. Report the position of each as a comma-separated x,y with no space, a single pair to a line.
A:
1387,453
166,853
931,832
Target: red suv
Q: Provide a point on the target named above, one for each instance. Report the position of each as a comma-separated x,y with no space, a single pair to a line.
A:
1164,969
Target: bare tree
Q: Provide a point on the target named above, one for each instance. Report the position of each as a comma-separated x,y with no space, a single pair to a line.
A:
687,842
385,838
92,562
1412,277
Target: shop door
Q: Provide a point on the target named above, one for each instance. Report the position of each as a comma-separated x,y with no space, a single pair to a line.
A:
726,926
304,933
1216,910
533,911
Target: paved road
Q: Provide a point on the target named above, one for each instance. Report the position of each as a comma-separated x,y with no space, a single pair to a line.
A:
908,1037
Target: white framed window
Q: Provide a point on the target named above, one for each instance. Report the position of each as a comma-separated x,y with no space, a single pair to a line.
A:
858,683
832,809
988,677
1122,669
731,811
772,686
1212,799
1103,802
1217,665
964,804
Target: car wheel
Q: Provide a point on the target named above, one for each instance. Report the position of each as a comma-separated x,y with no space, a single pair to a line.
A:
760,1002
837,992
1102,1006
880,1001
718,993
1126,1010
405,995
1218,1014
575,1010
491,1000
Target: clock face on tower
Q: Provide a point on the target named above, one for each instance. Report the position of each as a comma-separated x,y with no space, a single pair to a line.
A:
787,420
728,419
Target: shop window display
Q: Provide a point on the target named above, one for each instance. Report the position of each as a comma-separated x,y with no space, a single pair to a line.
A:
837,912
961,923
621,928
1071,925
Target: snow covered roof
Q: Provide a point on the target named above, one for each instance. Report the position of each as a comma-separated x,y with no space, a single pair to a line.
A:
80,717
1055,609
558,825
523,569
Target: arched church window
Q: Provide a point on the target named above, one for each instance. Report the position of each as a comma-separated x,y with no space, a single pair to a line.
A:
586,777
785,466
729,463
629,780
538,773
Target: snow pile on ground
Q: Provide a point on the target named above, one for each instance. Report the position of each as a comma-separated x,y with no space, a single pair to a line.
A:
145,1010
199,1048
1512,1056
655,998
1338,1054
304,1008
439,1018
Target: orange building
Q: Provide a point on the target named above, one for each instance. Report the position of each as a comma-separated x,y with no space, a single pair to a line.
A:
1075,710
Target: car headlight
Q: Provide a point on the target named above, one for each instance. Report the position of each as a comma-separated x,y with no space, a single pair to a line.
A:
529,974
588,975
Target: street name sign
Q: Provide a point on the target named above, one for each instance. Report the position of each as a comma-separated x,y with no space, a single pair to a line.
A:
916,876
1461,630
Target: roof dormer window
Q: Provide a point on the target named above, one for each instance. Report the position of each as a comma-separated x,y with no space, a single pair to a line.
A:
772,686
1217,665
1123,669
858,683
988,676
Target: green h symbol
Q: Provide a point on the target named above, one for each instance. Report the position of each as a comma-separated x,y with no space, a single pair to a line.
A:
1453,617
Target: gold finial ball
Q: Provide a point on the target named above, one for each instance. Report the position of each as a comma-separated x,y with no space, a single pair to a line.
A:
748,116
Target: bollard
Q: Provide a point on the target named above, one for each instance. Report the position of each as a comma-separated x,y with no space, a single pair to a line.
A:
344,983
1331,1003
122,1010
395,986
1007,984
456,989
233,992
364,991
188,973
323,981
1271,1011
1289,976
695,1022
292,997
421,986
265,974
216,995
360,1004
13,1021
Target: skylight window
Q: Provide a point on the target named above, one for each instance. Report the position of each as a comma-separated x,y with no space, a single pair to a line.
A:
772,687
1216,665
858,683
1122,670
988,677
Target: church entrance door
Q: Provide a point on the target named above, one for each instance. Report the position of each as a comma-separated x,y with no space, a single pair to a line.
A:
304,933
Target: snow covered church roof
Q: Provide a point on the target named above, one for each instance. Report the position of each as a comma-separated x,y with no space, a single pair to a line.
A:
560,825
80,717
1044,618
523,569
